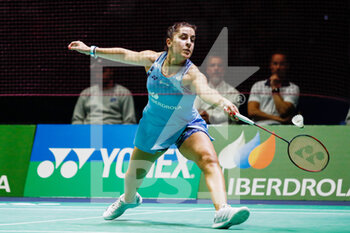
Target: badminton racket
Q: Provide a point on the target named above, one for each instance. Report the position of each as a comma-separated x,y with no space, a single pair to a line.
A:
305,151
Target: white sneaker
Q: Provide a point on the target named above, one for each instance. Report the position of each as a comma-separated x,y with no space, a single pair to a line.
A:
119,207
228,216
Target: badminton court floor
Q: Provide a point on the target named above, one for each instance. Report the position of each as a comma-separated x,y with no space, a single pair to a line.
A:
85,217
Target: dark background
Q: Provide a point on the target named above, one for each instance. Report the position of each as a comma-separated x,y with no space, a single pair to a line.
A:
41,80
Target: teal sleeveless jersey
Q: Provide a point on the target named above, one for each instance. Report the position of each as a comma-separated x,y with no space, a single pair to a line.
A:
169,110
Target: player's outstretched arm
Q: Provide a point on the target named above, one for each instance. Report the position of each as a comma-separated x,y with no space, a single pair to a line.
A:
199,84
144,58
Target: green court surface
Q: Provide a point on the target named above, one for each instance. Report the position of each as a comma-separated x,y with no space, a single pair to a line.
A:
70,217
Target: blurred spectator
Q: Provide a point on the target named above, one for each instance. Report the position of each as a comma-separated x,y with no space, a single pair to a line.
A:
274,101
110,104
215,70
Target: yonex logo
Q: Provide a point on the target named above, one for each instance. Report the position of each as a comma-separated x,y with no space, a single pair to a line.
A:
69,168
309,154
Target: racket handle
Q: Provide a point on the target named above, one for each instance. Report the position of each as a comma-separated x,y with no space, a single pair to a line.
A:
240,117
244,119
250,122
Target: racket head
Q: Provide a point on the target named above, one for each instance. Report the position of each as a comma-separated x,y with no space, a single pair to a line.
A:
308,153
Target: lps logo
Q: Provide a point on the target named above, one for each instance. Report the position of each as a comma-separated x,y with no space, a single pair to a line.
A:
68,168
251,154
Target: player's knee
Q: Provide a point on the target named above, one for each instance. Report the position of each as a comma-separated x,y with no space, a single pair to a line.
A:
208,161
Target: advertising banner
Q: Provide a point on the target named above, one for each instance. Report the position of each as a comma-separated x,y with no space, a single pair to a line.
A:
91,161
15,146
256,164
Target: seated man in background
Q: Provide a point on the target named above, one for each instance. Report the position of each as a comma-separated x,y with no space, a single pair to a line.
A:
274,101
110,104
347,119
215,69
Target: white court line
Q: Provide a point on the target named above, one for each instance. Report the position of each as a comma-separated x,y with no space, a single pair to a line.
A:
310,209
87,209
167,211
305,210
45,221
49,204
32,209
32,231
296,212
39,206
142,208
172,211
300,213
72,219
22,204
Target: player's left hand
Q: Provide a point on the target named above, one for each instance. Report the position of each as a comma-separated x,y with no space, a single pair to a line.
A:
79,47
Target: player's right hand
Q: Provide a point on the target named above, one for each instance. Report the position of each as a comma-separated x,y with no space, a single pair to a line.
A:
231,110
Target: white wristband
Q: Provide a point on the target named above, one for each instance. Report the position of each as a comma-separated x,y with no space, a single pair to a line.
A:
93,51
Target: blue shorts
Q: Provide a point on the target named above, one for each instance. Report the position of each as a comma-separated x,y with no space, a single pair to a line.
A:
187,133
146,137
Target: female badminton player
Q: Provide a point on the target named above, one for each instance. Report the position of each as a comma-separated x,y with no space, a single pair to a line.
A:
170,118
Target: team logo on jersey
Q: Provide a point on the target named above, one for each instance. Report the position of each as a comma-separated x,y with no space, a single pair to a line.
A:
163,83
154,77
154,95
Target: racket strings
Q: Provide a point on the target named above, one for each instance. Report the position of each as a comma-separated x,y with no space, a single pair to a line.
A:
308,153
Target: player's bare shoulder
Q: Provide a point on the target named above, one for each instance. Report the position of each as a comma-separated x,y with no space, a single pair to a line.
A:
149,57
192,74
